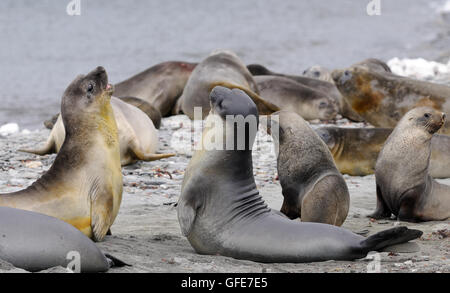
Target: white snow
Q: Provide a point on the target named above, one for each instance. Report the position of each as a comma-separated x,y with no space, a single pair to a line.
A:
9,128
418,68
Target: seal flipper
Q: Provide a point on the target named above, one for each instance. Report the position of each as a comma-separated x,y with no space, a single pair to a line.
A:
382,211
139,154
49,148
114,262
389,237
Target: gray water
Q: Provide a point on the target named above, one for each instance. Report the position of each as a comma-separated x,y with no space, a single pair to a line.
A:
43,49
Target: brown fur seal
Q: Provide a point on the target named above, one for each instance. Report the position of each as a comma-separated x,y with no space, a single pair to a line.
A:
160,85
382,98
404,186
221,212
83,187
221,68
355,150
326,87
313,188
138,138
293,96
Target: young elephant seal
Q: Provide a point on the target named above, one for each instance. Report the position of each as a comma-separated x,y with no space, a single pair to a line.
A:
293,96
35,242
84,185
160,85
221,212
404,186
382,98
138,138
355,150
223,68
313,188
328,88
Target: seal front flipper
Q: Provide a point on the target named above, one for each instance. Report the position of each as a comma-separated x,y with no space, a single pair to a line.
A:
139,154
382,211
389,237
114,262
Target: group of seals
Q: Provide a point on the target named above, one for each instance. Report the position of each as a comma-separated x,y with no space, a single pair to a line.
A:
138,138
219,68
355,150
83,187
313,188
404,186
221,212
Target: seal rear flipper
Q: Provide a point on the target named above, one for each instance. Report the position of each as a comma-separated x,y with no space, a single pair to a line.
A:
264,107
389,237
115,262
49,148
51,122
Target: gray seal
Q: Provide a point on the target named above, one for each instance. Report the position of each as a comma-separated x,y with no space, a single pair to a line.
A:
404,185
313,188
35,242
221,212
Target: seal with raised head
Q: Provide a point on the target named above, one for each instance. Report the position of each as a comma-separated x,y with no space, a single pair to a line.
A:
35,242
220,68
383,98
221,212
328,88
355,150
292,96
138,138
404,186
83,187
160,85
313,188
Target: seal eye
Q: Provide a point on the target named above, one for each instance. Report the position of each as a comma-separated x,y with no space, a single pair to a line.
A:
427,115
316,73
90,88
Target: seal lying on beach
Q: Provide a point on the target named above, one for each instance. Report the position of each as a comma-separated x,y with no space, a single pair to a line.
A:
160,85
293,96
313,188
84,185
382,98
35,242
221,212
355,150
328,88
404,186
138,138
222,68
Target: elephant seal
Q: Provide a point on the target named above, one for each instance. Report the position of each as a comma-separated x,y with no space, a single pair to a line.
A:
318,72
221,212
138,138
293,96
83,187
35,242
404,186
312,186
223,68
382,98
326,87
373,64
160,85
355,150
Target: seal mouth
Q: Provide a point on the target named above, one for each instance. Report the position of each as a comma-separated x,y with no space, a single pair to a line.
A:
109,89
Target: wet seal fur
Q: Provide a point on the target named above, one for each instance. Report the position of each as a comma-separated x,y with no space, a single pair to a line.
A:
221,212
35,242
220,68
355,150
160,85
404,186
138,138
313,188
83,187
